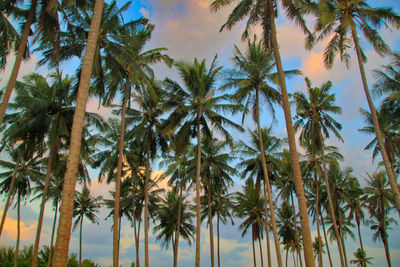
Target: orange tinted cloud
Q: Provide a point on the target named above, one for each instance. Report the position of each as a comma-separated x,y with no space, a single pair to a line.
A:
27,230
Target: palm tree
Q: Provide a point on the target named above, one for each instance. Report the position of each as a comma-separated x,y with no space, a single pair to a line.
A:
379,199
265,13
85,206
340,19
249,205
361,259
10,36
254,70
315,121
64,229
168,218
196,108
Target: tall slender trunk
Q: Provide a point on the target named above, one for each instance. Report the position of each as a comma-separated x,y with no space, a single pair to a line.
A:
326,240
10,193
43,204
267,236
80,242
64,227
135,236
287,251
261,254
137,240
387,251
119,232
295,229
146,207
342,237
359,237
331,208
305,226
317,219
386,161
118,179
198,219
52,236
18,60
210,222
252,242
218,251
267,192
18,230
178,226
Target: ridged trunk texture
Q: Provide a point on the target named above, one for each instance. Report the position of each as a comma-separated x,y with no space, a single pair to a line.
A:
267,192
307,241
198,216
18,59
65,223
386,161
42,206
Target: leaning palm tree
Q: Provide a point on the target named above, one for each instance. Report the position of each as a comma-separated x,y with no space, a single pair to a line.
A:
342,21
64,228
265,13
314,119
86,206
167,217
252,78
196,108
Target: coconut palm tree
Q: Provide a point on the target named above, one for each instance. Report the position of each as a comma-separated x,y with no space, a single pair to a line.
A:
342,22
196,108
65,223
10,36
86,206
167,216
379,199
265,13
314,119
361,259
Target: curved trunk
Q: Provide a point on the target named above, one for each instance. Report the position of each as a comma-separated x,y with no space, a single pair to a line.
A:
331,208
80,242
118,180
267,190
20,53
52,237
218,251
295,230
10,194
261,254
305,226
198,220
386,161
18,230
146,208
178,227
42,206
210,222
326,240
64,228
317,219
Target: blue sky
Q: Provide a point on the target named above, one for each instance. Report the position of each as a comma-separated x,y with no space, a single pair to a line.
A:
188,30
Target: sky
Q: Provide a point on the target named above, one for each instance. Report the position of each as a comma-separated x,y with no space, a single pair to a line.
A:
189,30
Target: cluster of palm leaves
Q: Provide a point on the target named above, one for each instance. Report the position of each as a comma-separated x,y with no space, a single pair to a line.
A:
51,140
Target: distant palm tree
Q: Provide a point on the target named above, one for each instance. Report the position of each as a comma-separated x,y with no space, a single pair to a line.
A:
361,259
85,206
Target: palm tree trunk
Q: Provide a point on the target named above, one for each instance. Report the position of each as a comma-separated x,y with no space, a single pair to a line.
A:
267,236
146,208
326,240
137,242
18,230
359,236
387,251
178,226
43,204
261,254
317,219
52,236
64,228
118,179
80,242
210,222
10,194
305,226
218,251
252,242
295,229
331,208
20,53
267,184
287,251
389,170
198,220
342,237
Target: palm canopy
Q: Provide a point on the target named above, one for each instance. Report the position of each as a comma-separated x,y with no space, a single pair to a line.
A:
314,114
388,79
86,206
338,19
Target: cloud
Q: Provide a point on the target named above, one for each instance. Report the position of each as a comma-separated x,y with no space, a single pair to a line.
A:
27,229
